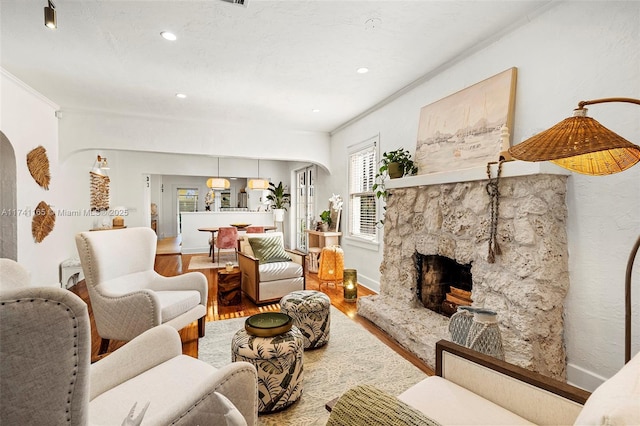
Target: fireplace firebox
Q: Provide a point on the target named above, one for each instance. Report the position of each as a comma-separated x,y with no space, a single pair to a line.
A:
443,284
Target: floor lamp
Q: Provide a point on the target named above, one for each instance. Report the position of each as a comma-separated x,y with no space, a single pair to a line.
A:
583,145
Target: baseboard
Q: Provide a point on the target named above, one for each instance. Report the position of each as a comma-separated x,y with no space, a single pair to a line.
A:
198,250
369,283
584,379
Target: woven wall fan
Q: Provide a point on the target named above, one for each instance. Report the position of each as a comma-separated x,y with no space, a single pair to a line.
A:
44,219
38,164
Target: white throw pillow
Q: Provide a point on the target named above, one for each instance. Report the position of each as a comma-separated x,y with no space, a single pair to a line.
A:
232,416
616,401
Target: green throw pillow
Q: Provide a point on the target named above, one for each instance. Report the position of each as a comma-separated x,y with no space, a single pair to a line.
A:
269,249
368,405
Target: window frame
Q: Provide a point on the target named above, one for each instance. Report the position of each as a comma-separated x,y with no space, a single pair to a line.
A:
364,239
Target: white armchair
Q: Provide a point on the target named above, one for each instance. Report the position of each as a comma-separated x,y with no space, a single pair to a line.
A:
46,376
127,296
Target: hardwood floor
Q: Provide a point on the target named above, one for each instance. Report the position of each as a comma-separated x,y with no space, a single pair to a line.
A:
170,265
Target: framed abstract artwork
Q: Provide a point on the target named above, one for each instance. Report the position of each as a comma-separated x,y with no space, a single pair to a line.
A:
469,128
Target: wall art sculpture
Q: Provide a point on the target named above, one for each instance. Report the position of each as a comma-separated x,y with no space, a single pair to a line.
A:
99,191
44,219
38,164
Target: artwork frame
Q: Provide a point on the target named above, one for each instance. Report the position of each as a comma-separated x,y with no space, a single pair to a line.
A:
468,128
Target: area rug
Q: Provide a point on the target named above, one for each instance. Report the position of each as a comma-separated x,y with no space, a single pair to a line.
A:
204,262
353,356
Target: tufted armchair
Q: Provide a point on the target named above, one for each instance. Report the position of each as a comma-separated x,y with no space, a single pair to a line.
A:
269,271
127,295
46,375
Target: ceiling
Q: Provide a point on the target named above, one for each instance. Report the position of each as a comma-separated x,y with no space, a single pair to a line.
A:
269,62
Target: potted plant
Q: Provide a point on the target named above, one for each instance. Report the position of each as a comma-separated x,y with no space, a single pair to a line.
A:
325,217
280,200
395,164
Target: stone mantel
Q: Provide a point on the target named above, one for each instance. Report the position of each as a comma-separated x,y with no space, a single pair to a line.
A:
509,169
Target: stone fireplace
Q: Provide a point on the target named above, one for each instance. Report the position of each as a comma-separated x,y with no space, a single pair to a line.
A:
448,215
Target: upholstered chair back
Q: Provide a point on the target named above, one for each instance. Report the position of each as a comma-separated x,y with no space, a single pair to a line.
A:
255,229
45,350
227,237
13,275
109,254
245,246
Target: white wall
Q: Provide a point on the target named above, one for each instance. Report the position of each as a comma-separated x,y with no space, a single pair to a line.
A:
128,180
28,120
574,51
81,130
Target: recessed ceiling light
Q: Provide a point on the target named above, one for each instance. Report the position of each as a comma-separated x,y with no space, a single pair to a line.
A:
362,70
181,95
315,110
168,36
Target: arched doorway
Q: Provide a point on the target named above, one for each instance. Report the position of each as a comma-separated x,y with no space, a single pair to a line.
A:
8,203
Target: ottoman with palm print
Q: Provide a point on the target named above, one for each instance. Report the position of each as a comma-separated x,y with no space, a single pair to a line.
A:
279,363
310,312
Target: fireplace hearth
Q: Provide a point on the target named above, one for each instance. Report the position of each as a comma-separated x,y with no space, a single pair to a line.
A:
526,285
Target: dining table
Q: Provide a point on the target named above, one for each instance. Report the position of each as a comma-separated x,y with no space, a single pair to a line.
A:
214,229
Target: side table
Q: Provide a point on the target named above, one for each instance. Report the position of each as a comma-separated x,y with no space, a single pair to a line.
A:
314,254
229,289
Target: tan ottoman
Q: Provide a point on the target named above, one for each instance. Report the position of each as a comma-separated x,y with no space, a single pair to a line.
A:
310,312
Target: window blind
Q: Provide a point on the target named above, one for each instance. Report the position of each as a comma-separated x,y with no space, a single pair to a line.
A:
362,200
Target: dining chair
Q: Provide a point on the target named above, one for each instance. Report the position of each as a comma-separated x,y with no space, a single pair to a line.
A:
255,229
227,238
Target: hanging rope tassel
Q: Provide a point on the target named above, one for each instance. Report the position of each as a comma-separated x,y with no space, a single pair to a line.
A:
494,204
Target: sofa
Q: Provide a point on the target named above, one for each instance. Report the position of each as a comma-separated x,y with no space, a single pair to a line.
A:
471,388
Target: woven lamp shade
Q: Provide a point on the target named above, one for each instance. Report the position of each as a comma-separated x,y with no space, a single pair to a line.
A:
331,264
580,144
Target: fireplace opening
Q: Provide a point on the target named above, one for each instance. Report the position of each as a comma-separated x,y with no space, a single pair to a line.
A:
443,284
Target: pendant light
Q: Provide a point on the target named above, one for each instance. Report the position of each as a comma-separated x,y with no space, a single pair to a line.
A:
50,16
218,182
258,183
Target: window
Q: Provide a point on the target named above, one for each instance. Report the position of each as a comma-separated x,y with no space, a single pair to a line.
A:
363,210
304,202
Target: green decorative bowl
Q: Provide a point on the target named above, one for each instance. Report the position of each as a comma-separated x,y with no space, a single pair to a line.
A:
268,324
